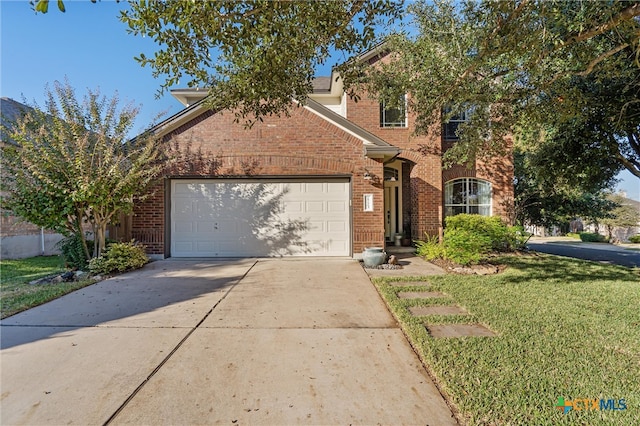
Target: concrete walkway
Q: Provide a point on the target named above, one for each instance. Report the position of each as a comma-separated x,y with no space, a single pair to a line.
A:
204,342
412,265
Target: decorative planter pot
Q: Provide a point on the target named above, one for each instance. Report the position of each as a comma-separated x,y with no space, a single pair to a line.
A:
373,256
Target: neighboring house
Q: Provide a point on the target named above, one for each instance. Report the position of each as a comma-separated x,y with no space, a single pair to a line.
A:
18,238
330,180
619,233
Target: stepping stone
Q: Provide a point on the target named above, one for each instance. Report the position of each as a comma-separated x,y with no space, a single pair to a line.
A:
418,311
420,294
408,283
459,330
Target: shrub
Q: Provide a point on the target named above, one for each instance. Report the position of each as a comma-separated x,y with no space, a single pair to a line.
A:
502,237
635,239
431,248
119,257
72,252
468,238
464,246
589,237
573,235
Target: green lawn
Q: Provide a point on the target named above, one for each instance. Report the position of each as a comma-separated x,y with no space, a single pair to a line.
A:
566,328
16,294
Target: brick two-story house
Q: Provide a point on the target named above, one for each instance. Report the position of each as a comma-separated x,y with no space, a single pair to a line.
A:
334,177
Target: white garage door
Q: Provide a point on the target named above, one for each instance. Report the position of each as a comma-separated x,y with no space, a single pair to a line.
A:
230,218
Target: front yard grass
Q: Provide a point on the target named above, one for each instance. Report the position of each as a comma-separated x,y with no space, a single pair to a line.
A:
566,328
16,294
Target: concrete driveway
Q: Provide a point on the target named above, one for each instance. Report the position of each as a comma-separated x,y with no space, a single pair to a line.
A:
266,341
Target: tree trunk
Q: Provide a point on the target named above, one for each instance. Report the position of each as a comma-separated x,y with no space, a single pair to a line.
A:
101,230
80,232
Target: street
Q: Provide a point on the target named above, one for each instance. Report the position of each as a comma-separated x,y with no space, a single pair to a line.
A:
598,252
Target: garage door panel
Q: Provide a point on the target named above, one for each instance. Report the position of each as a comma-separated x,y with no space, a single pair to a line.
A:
316,226
204,246
337,245
292,207
183,246
314,207
261,218
205,226
336,226
337,188
183,227
183,206
336,206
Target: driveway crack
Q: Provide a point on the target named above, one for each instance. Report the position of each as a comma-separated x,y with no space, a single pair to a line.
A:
175,349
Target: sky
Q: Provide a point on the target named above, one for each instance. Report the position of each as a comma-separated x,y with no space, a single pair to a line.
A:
90,47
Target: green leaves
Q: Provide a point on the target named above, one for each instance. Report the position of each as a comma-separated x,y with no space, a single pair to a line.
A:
254,56
74,163
518,63
42,6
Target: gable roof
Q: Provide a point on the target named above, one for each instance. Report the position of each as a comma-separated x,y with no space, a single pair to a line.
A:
373,145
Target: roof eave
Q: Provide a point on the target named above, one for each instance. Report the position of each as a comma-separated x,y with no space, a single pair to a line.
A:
381,152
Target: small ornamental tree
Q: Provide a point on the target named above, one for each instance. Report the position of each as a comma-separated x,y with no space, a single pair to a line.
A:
73,163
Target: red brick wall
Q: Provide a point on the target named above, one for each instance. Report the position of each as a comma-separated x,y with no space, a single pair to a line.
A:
427,178
301,145
499,171
425,212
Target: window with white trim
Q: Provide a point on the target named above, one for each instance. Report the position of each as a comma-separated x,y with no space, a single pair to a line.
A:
467,195
395,116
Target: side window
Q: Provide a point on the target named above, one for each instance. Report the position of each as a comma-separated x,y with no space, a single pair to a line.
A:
394,116
467,195
450,127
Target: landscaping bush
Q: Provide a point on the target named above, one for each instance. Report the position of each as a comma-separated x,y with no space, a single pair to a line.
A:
119,257
573,235
589,237
430,248
502,237
635,239
465,246
72,252
469,238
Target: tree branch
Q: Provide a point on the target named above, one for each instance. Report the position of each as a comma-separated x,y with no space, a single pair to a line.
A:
624,15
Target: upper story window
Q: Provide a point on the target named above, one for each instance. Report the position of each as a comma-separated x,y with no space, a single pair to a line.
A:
467,195
395,116
450,127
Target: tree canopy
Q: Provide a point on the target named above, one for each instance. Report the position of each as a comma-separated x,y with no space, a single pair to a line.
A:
73,163
527,68
252,56
515,64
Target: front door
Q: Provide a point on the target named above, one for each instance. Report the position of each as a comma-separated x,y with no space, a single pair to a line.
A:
392,200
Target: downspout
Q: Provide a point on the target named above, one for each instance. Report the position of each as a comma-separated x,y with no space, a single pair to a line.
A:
42,240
